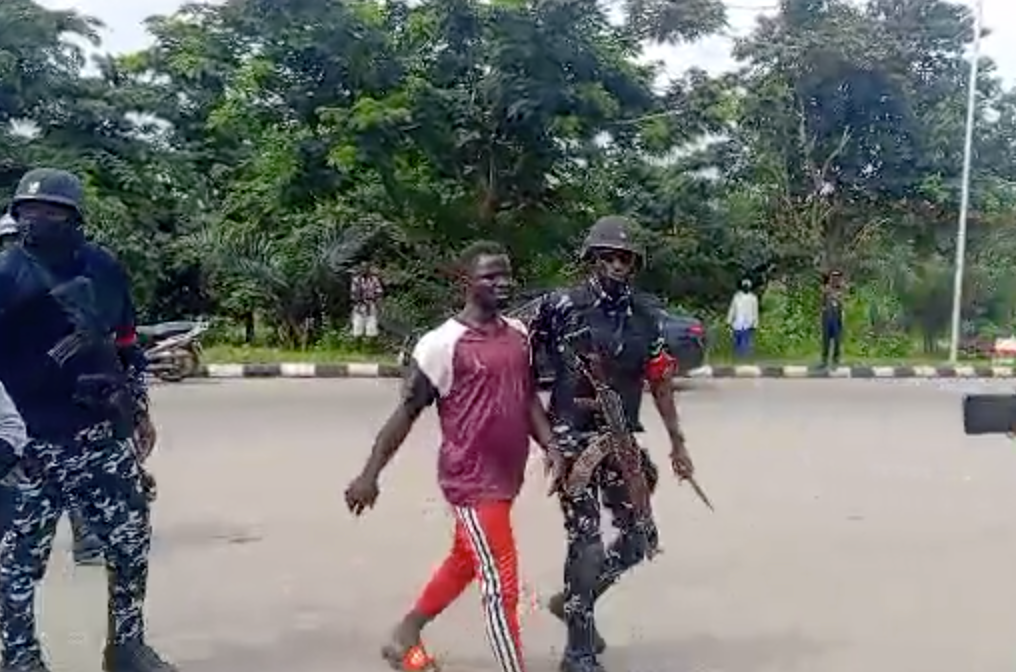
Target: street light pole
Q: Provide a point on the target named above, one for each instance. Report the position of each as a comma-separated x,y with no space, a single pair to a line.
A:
968,150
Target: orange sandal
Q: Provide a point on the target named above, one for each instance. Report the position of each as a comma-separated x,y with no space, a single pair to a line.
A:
413,659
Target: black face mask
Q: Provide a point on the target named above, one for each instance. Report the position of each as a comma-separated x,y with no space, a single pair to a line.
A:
612,287
52,234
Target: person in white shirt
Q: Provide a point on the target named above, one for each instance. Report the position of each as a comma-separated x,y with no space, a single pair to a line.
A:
743,318
13,434
13,439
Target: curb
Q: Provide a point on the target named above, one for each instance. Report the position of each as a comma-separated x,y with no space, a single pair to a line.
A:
378,370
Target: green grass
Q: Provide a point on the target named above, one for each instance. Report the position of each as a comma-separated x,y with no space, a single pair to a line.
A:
232,354
919,360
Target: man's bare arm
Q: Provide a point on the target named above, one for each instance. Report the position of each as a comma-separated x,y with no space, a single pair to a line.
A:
417,394
539,424
543,433
660,374
663,398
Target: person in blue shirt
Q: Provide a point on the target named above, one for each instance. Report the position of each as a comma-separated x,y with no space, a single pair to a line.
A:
70,363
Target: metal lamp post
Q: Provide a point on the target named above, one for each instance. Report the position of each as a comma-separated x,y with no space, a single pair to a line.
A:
961,228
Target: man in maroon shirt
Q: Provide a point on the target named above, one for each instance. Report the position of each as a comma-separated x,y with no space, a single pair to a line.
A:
476,368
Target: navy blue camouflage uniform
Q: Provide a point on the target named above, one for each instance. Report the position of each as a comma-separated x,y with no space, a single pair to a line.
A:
629,334
73,369
87,548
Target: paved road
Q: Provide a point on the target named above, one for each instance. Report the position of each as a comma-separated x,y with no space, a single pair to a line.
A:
856,530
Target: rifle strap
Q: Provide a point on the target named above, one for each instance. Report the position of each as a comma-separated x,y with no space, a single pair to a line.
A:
46,277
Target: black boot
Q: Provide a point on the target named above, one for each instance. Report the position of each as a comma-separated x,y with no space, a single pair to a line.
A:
582,664
133,657
556,607
35,665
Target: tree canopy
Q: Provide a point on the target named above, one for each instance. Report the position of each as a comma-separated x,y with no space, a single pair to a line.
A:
257,149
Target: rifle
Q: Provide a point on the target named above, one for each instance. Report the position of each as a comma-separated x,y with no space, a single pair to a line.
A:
72,297
76,298
617,442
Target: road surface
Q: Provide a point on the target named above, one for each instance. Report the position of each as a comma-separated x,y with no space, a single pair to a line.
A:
856,529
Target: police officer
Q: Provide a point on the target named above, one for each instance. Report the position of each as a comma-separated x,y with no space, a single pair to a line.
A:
69,361
87,547
602,317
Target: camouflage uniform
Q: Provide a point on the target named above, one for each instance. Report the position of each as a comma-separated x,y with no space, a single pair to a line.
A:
74,371
582,524
100,476
590,569
625,336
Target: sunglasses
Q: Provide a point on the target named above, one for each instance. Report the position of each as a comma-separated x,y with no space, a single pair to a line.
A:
610,256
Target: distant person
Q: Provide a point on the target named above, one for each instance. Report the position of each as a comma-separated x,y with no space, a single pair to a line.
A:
743,319
832,318
366,292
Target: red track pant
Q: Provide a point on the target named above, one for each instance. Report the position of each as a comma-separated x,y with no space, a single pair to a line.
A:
484,549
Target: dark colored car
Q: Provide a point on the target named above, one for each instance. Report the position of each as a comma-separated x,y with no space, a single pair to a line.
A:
686,338
685,335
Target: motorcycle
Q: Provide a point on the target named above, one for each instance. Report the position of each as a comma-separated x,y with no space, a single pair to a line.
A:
172,348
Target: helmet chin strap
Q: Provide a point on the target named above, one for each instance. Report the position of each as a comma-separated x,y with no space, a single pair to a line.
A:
613,289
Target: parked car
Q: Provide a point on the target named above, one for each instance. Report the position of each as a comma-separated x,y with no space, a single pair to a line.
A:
685,335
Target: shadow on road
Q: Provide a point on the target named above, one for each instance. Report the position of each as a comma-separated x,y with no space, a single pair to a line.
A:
708,654
307,650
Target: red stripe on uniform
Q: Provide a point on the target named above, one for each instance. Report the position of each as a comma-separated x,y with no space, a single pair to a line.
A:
660,367
125,337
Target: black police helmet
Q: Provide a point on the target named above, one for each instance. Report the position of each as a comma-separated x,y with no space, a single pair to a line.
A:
48,185
612,233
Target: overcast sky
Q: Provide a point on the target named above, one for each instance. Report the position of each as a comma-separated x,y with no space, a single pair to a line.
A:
125,31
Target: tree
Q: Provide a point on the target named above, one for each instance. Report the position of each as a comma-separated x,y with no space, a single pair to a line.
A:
259,148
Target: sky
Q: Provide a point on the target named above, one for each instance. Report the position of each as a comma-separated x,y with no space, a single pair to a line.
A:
125,31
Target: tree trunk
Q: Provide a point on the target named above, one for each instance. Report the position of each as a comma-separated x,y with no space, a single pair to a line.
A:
248,328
